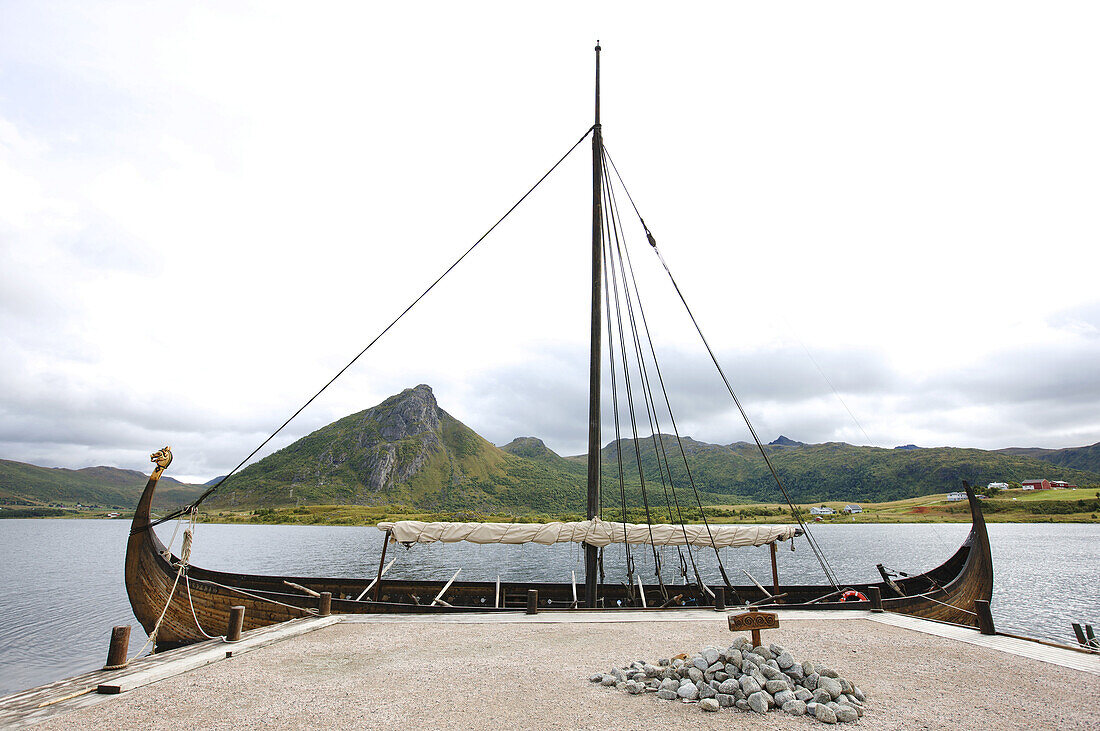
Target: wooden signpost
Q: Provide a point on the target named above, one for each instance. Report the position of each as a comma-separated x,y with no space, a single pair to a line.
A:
753,621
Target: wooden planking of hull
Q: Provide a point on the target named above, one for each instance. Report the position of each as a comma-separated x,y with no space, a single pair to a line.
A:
195,602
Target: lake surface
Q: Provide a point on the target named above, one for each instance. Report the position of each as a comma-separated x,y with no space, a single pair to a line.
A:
62,590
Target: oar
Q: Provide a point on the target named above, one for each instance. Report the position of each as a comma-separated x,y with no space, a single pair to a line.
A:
374,581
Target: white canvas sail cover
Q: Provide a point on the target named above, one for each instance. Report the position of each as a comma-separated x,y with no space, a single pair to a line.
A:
593,532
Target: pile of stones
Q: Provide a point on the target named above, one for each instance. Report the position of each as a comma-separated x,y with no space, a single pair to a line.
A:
744,677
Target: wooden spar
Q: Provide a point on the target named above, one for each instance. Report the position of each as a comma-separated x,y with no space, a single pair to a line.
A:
574,585
496,594
641,591
758,584
439,597
378,579
299,587
591,552
375,580
775,568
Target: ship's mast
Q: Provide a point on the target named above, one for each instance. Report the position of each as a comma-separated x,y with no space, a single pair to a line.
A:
591,553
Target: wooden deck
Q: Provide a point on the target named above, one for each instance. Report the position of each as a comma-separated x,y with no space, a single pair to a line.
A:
37,704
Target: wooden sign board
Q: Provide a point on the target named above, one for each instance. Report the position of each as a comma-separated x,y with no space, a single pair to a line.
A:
753,621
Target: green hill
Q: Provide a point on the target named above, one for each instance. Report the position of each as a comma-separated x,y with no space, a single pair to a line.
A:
108,487
407,451
1078,458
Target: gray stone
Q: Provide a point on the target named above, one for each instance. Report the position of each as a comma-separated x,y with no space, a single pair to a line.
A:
808,667
688,691
754,658
621,685
733,655
667,695
652,684
764,653
677,662
828,673
795,671
749,685
771,673
714,684
846,714
810,681
802,694
635,688
728,686
795,708
784,660
596,677
773,664
700,663
652,671
747,666
845,686
783,697
715,668
608,680
639,676
669,684
824,714
710,654
776,650
721,676
811,707
663,662
822,696
858,694
695,675
774,686
741,703
739,694
708,704
705,691
733,670
758,701
834,705
725,700
831,685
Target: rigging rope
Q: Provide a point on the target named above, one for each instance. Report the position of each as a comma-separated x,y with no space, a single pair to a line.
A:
829,574
404,312
634,326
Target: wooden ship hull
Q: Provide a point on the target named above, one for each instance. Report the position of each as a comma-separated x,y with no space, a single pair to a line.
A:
195,602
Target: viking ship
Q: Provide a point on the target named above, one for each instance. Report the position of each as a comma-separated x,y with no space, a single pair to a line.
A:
178,603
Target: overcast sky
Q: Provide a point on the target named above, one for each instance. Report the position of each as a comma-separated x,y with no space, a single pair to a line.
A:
207,209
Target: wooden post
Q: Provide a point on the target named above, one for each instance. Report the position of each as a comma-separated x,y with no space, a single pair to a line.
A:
875,595
775,569
325,604
236,624
720,599
381,563
755,632
120,646
985,617
532,601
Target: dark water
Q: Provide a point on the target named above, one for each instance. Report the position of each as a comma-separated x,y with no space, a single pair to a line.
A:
61,581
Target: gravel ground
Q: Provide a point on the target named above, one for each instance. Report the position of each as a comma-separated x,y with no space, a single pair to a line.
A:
505,676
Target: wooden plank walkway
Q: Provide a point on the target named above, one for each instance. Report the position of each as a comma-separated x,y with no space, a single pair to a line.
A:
37,704
1066,658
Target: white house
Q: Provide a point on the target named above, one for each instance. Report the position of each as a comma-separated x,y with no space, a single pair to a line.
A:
850,509
954,497
997,486
822,511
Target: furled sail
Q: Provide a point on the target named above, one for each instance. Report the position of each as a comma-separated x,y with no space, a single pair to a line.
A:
593,532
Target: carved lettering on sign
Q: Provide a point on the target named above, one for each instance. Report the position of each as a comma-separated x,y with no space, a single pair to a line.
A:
753,620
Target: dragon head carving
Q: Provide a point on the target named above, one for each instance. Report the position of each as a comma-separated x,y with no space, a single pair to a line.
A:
162,457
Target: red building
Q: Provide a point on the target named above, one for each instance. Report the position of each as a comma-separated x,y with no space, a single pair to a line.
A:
1036,484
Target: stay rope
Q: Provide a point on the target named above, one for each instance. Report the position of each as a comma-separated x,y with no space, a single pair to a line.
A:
194,505
818,553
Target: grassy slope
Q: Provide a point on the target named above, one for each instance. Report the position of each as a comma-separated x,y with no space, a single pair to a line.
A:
106,486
